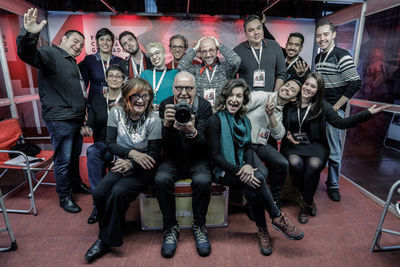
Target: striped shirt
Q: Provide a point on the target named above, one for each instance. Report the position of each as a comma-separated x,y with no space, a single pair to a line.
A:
339,73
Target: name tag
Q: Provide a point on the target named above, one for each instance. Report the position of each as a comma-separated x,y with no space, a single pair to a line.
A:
105,89
209,95
156,107
301,138
263,135
259,78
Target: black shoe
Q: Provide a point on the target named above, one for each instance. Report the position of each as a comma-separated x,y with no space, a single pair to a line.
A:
93,216
334,194
81,189
69,205
98,249
313,210
202,241
170,241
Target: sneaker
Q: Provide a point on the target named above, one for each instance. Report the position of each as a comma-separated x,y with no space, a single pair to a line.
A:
202,242
170,241
334,194
283,225
264,241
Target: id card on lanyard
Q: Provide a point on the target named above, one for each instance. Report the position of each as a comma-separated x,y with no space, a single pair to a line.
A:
259,74
301,136
105,67
210,93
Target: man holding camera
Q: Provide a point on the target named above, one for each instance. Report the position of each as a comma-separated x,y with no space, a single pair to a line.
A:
184,117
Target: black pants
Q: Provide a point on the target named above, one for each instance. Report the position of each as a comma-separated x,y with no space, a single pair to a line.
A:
112,197
260,198
306,172
164,184
277,166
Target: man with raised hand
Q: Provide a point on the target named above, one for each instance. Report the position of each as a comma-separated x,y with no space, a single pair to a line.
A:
212,74
62,93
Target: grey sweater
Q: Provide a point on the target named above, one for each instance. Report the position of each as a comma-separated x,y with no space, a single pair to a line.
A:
224,72
272,61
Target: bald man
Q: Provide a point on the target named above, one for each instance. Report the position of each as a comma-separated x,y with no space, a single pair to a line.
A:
211,75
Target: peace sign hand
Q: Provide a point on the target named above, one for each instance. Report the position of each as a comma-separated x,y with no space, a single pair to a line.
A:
270,106
30,24
301,68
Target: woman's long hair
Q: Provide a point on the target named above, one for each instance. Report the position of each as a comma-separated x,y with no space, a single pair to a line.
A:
316,101
226,90
138,86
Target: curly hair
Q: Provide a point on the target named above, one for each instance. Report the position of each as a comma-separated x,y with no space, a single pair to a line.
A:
226,90
136,85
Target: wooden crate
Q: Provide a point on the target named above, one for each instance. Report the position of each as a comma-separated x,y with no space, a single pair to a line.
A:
217,215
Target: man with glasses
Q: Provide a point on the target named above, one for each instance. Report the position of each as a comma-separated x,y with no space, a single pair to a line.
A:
212,74
178,44
184,156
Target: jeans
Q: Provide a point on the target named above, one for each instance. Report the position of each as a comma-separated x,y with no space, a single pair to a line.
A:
67,143
98,159
164,184
277,165
260,198
334,136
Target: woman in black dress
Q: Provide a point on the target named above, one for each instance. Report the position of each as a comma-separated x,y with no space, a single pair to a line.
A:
229,145
306,146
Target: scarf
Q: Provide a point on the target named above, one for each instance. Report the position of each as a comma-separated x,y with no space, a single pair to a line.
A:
234,133
210,67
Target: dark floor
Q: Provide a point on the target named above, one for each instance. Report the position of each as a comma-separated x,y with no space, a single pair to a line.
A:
340,235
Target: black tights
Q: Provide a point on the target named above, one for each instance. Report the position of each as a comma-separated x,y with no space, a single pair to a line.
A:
305,173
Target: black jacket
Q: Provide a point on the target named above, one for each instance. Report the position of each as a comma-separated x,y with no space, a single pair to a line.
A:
60,90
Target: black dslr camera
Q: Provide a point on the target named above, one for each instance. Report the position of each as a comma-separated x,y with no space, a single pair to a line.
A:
183,113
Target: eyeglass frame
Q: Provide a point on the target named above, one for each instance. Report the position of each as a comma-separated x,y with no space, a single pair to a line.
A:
144,97
184,87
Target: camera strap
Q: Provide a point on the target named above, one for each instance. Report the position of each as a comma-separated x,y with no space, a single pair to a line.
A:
195,105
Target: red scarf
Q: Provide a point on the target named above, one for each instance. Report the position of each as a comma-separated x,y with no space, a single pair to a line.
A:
210,67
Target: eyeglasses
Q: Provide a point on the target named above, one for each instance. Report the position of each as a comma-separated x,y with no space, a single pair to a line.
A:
178,47
187,88
211,51
157,53
136,97
117,77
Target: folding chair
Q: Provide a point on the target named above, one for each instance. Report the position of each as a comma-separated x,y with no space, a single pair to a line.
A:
13,245
11,133
379,230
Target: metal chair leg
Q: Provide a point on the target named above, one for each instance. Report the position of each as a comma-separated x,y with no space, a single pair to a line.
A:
13,245
380,230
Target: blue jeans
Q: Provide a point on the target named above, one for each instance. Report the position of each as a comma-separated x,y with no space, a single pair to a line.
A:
98,159
334,136
67,143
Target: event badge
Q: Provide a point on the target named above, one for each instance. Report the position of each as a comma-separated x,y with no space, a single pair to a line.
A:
105,88
156,107
263,136
301,138
259,78
209,95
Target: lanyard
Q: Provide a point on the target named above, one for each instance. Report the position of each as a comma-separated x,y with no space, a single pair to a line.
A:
327,55
116,101
173,65
291,64
135,70
82,82
255,55
212,75
305,115
159,82
106,66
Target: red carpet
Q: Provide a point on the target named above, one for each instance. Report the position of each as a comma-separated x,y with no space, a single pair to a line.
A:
340,235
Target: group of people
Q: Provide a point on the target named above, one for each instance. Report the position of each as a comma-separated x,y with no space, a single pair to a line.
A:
229,133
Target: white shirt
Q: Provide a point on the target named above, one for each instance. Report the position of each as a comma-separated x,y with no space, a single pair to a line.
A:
258,117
